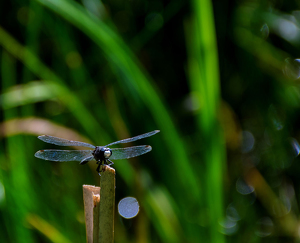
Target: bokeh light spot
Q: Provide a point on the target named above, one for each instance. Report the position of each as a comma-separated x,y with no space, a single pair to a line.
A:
243,188
287,29
292,68
295,146
247,142
265,227
265,31
228,226
128,207
232,213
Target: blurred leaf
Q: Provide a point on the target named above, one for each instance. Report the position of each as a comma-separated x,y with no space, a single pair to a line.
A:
162,214
47,229
26,94
204,80
54,83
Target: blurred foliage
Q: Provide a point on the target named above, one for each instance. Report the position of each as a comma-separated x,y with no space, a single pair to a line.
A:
220,79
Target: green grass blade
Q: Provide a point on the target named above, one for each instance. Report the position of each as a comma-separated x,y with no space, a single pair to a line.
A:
204,81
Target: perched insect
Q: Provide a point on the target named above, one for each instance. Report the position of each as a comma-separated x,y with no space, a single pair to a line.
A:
102,154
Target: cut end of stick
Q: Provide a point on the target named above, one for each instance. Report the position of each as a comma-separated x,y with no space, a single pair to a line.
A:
107,168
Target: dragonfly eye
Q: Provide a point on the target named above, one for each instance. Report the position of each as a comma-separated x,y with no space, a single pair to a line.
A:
107,153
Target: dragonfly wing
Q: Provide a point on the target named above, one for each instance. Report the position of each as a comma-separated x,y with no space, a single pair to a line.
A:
129,152
63,142
63,155
127,140
87,159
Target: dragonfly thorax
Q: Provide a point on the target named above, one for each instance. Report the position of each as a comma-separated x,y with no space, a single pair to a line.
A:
101,153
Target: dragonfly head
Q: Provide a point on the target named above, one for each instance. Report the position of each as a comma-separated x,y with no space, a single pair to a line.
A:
101,153
107,152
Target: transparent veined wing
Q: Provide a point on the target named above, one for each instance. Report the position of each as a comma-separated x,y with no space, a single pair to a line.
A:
63,155
129,152
63,142
127,140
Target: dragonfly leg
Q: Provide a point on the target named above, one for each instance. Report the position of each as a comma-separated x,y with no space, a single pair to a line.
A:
98,167
111,163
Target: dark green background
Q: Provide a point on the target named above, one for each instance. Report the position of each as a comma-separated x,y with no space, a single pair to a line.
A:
217,78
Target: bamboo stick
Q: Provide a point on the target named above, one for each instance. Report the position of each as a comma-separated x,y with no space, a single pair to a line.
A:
91,199
107,205
99,205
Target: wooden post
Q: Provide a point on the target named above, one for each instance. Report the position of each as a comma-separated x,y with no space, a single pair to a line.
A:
99,207
107,205
91,199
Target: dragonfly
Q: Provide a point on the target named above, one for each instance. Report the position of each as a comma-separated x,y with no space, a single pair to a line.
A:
102,154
